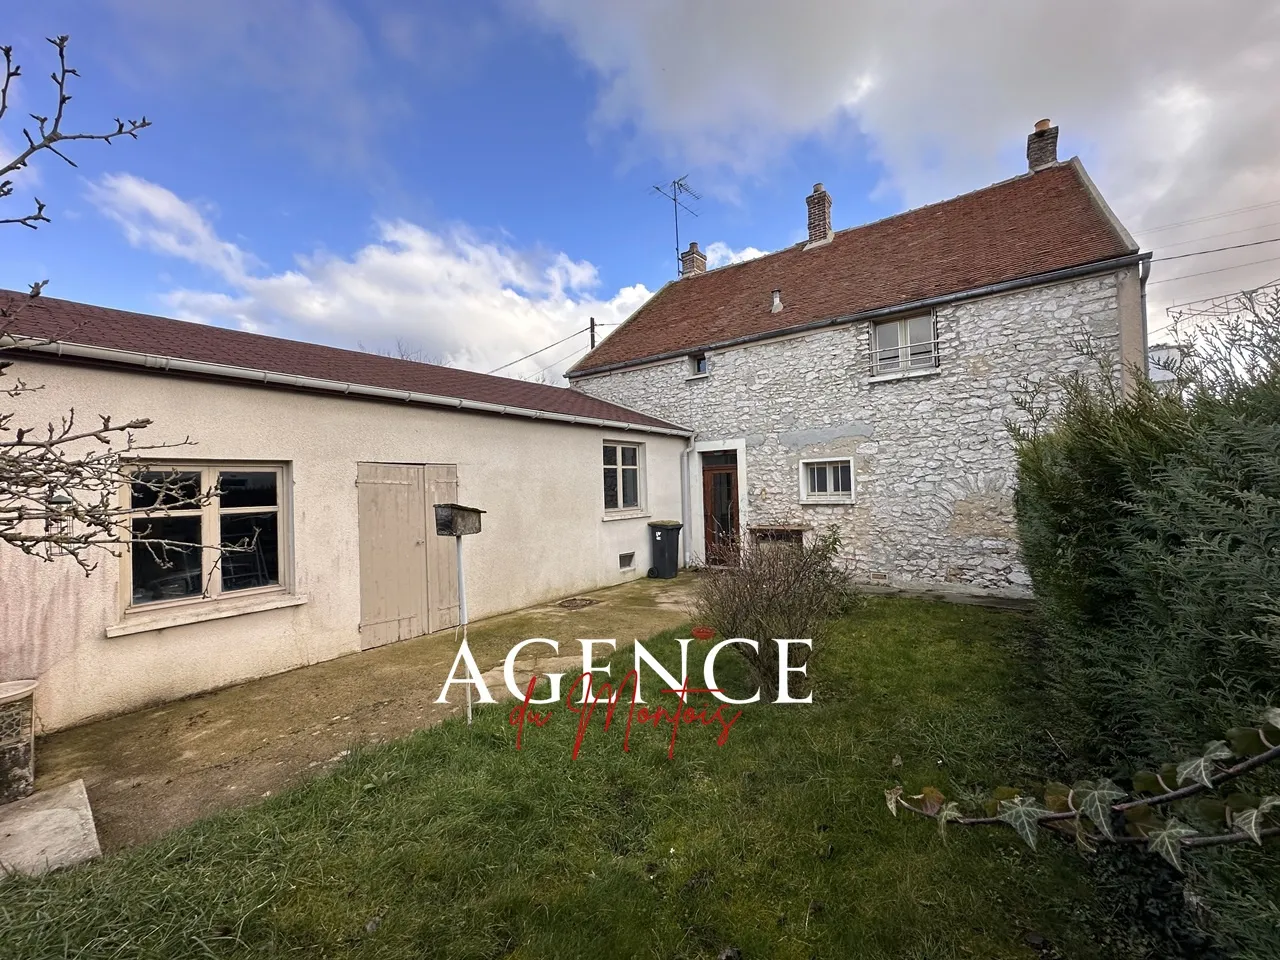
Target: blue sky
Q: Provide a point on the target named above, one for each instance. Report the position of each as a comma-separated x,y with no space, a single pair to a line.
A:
475,179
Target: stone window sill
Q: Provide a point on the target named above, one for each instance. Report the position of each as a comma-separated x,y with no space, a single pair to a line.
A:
833,502
904,375
696,376
200,611
640,514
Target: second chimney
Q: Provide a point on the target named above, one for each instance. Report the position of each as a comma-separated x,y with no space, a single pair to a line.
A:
819,215
1042,146
692,261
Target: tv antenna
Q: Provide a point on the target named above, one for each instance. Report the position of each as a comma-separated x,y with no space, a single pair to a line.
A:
673,191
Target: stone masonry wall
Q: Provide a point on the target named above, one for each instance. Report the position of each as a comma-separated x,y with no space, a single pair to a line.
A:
932,457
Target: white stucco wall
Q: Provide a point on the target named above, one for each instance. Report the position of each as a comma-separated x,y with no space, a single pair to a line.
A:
544,534
933,460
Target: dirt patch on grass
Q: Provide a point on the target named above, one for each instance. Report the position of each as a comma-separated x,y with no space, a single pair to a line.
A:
154,770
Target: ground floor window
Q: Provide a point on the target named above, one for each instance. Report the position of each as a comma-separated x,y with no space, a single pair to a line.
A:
621,476
205,530
825,481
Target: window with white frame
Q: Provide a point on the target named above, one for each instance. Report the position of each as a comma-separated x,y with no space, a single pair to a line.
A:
186,546
826,481
621,476
698,365
899,346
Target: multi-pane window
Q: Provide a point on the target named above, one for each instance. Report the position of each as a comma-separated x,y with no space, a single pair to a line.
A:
621,476
902,345
203,531
830,480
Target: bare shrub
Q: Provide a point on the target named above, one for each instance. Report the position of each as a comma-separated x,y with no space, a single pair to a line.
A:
775,591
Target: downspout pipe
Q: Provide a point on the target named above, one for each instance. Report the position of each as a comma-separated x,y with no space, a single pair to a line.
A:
1143,272
686,513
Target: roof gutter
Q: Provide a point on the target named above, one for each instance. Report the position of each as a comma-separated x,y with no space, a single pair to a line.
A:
974,293
148,361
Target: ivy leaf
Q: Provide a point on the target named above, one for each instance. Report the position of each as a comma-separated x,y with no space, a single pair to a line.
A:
1023,814
1083,843
930,800
1212,809
1057,797
1144,781
949,811
1272,716
1246,741
1249,822
1200,770
891,797
1167,841
1095,800
1000,794
1242,801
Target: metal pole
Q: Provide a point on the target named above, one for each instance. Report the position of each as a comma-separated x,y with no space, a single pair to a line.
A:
462,615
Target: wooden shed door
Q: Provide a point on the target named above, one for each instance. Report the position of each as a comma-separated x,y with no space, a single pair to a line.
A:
408,580
442,556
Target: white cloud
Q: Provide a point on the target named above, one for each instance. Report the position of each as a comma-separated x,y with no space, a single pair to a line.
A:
1172,101
720,254
159,220
473,303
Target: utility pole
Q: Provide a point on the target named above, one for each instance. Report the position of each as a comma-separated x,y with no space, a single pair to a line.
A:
672,192
593,333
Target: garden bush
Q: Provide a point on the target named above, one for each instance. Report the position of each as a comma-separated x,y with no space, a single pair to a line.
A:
1150,525
773,591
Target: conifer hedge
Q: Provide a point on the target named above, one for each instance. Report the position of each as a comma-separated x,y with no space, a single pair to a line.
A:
1150,525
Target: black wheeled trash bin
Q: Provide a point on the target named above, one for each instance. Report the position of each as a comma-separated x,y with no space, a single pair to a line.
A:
664,548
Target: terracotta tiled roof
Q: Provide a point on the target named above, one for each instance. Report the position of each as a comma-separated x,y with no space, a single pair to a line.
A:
1029,225
79,323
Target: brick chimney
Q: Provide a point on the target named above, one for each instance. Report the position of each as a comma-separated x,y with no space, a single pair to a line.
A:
1042,146
692,261
819,203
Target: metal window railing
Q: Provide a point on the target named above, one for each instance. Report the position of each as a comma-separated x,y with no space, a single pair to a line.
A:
921,355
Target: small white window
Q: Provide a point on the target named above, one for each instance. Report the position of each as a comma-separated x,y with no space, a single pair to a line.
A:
621,476
826,481
698,365
902,345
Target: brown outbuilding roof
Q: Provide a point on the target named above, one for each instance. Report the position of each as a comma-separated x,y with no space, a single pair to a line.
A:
161,339
1033,224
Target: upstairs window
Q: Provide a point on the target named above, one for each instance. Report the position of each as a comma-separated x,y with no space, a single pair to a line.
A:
698,365
826,481
899,346
621,476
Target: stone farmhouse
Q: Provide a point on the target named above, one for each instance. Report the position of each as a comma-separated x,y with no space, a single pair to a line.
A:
863,378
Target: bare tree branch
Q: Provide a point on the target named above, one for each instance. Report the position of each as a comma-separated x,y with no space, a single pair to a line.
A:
49,136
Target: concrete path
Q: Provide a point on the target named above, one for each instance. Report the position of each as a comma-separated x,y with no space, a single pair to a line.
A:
48,830
154,770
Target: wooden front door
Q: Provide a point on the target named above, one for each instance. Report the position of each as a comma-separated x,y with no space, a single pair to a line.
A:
720,507
408,574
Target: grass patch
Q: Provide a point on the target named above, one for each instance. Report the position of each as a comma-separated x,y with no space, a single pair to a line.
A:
451,844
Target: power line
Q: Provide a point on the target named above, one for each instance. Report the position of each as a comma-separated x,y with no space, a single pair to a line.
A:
1200,253
1215,236
538,351
1202,273
1211,216
561,360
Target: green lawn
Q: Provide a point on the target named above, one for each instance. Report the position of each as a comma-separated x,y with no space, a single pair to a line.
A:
452,844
